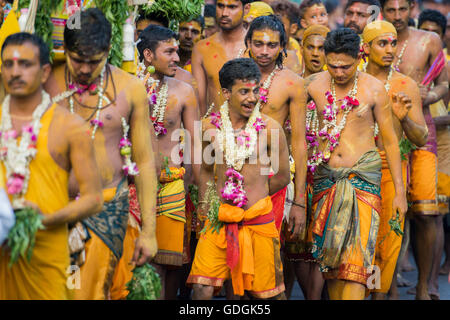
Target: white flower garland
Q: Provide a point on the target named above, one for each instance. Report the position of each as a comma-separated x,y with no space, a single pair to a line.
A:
17,157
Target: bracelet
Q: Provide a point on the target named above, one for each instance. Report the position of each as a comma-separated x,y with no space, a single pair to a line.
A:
296,204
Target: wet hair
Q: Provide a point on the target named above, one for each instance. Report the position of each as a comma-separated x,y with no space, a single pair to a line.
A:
270,22
433,16
25,37
238,69
153,16
150,38
342,40
94,35
308,4
285,8
383,2
369,2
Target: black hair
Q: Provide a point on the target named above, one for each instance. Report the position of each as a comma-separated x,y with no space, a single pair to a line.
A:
342,40
150,38
411,22
286,8
369,2
210,11
92,37
308,4
433,16
383,2
24,37
153,16
238,69
244,2
270,22
199,19
331,5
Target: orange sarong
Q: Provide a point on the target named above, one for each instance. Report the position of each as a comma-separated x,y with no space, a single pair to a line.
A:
388,242
258,268
423,185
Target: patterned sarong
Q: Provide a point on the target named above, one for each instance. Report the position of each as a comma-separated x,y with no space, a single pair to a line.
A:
346,217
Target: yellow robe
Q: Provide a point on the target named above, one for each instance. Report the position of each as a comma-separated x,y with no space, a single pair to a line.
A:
44,277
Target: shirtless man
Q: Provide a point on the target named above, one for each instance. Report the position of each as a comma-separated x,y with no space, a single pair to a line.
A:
176,105
347,166
209,55
219,257
380,45
190,33
417,50
434,21
156,18
110,99
283,97
62,145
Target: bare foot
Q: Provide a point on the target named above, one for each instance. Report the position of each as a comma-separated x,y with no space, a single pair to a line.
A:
422,295
412,291
402,282
445,269
407,267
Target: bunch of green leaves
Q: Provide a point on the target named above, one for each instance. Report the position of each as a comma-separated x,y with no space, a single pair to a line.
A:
43,25
116,11
175,10
193,193
405,147
145,284
212,198
22,236
396,226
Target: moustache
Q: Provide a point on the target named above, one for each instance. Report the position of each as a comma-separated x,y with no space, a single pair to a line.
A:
354,25
15,81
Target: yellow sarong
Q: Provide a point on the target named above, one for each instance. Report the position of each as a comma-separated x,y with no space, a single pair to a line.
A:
259,269
170,217
388,243
45,276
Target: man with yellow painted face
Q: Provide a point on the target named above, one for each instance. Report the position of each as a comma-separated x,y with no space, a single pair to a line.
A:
282,96
346,165
419,56
115,104
173,104
190,32
62,145
209,54
297,249
380,46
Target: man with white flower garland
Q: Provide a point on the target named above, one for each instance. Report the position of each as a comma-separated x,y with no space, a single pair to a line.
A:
173,103
347,166
53,143
112,101
240,240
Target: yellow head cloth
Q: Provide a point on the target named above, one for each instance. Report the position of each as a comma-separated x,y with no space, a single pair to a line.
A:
316,29
9,27
376,29
258,9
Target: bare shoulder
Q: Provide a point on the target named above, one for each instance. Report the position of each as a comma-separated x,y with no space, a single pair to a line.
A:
427,39
181,88
315,79
184,75
401,82
205,44
270,123
368,81
125,80
290,77
68,123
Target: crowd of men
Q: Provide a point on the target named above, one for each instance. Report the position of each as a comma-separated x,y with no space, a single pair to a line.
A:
263,143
